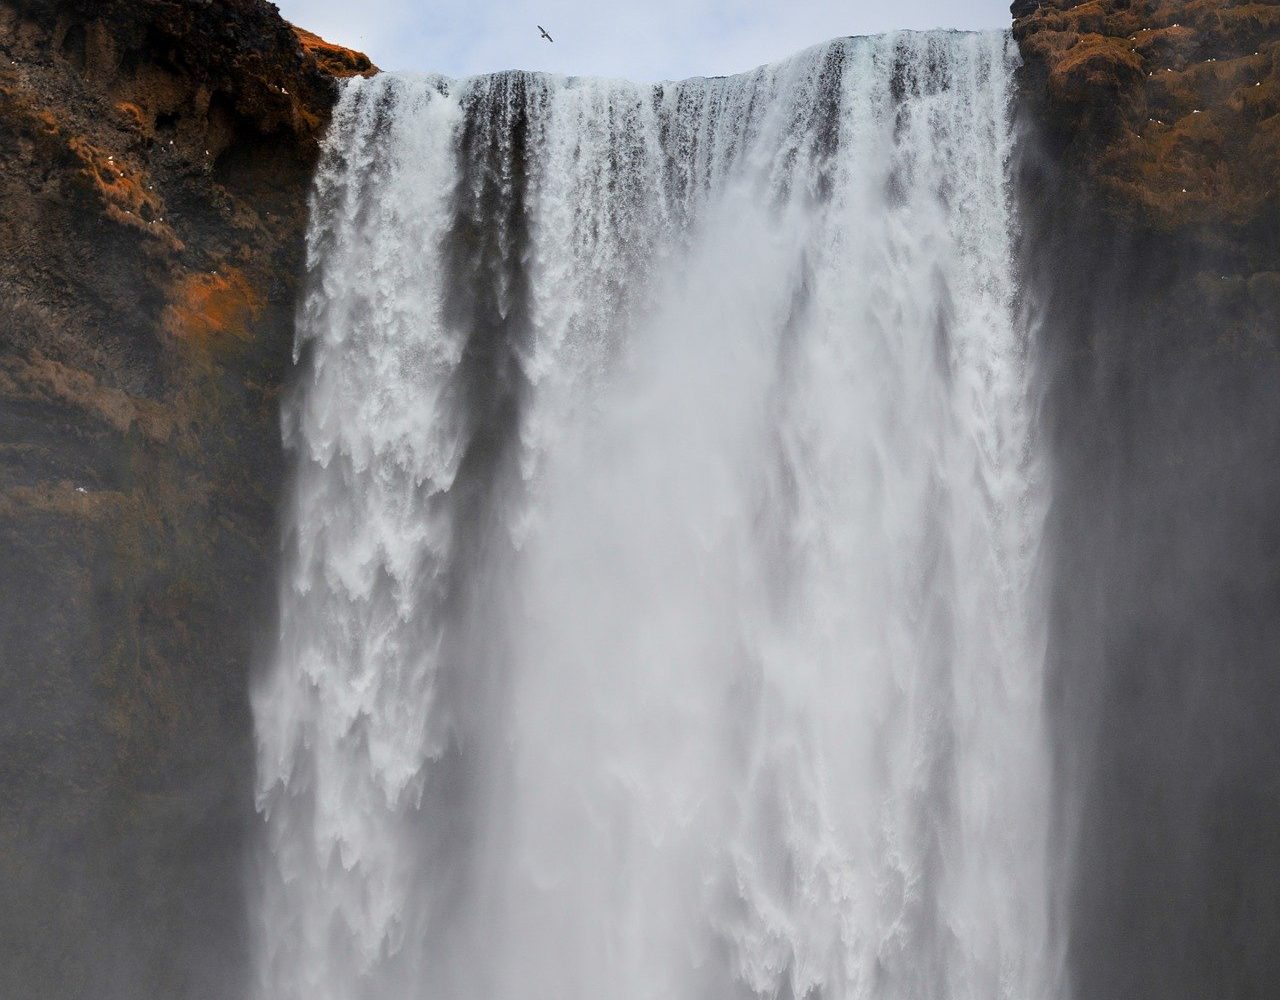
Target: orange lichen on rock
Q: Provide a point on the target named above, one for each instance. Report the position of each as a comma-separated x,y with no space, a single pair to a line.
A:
1094,64
334,59
120,185
47,122
1170,44
206,308
132,114
126,194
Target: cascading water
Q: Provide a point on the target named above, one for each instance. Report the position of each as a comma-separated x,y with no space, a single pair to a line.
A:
658,615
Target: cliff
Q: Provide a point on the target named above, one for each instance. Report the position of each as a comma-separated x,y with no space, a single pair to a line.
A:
154,166
1149,190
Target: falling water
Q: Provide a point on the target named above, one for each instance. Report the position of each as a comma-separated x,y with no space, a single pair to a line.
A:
658,613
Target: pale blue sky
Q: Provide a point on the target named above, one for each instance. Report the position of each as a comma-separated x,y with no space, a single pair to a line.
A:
644,40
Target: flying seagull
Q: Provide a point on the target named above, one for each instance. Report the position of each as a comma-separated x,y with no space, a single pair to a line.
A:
544,34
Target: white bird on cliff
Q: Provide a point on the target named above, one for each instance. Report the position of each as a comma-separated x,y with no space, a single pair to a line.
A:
544,33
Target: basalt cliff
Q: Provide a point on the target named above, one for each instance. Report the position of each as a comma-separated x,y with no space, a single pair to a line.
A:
154,166
1150,190
155,158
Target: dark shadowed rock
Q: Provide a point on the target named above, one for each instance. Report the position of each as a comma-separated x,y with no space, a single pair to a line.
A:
1151,250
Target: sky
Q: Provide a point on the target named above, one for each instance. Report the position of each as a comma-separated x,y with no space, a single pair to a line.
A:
643,40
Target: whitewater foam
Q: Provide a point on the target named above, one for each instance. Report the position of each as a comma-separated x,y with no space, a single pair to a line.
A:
658,607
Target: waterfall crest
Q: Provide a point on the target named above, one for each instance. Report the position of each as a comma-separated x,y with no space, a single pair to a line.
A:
658,604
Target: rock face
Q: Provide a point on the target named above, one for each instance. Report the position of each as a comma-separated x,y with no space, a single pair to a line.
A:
1152,248
154,166
1170,110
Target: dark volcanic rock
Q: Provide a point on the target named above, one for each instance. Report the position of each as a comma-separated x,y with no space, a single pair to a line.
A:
154,165
1152,252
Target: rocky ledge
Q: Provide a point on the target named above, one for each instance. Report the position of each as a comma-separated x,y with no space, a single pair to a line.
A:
155,159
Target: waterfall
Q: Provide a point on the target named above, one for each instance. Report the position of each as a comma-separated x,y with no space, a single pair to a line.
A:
658,607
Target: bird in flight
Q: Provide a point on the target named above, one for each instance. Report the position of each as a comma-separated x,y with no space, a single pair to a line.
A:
544,34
